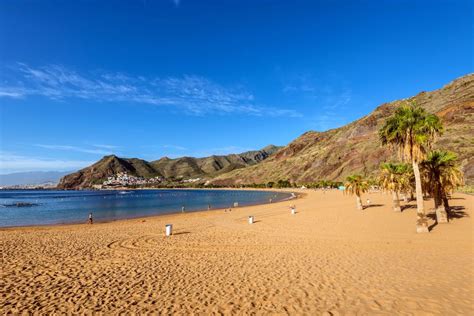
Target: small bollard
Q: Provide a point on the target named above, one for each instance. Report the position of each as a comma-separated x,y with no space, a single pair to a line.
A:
250,219
168,229
236,204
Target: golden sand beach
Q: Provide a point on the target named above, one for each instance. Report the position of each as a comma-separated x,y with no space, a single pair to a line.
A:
328,259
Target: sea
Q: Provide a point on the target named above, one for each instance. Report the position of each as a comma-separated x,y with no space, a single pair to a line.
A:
47,207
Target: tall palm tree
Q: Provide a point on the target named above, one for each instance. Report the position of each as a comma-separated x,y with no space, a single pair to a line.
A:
393,179
411,130
355,184
443,175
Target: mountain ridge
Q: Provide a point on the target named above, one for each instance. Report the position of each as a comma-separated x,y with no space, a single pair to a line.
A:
313,156
355,148
167,168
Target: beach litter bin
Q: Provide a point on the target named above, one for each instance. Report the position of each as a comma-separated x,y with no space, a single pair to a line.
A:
168,229
251,219
293,210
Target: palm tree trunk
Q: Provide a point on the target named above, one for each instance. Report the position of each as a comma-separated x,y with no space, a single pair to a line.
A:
437,193
440,210
421,221
396,202
359,203
446,202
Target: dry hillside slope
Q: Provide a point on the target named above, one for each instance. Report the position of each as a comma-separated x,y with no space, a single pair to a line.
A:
334,154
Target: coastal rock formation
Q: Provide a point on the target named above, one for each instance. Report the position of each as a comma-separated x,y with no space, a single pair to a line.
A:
355,148
179,168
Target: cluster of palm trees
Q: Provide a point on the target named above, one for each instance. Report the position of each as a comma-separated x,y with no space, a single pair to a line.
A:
411,131
397,178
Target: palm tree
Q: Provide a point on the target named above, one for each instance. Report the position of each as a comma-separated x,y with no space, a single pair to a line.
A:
407,180
411,130
393,178
442,175
451,178
355,184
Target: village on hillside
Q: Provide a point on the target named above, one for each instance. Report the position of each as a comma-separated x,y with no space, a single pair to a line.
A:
123,179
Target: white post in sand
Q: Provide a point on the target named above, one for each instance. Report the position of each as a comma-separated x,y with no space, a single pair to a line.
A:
250,219
236,204
293,210
169,230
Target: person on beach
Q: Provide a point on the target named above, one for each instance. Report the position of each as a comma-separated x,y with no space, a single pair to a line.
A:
90,218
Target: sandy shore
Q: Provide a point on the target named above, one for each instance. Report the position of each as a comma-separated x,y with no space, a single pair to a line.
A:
329,257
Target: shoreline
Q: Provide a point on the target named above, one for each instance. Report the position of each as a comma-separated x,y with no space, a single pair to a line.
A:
170,213
327,258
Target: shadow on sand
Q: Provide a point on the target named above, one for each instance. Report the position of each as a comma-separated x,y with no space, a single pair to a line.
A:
181,233
373,205
406,207
455,212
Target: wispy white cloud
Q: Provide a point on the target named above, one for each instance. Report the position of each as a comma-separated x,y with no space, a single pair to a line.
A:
96,151
11,162
11,93
192,94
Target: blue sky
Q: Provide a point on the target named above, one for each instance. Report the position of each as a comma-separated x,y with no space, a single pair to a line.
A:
82,79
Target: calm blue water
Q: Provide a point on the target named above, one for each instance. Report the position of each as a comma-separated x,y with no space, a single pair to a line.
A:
21,208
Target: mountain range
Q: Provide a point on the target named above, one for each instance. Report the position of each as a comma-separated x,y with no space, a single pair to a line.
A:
329,155
170,169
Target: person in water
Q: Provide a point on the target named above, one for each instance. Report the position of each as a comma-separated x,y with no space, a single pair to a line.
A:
90,218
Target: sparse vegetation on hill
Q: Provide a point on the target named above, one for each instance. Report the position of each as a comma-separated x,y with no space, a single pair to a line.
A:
355,148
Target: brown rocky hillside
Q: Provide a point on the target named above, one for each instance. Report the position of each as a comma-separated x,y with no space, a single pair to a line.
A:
355,148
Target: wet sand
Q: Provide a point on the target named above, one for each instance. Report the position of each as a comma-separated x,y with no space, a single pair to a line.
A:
328,258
